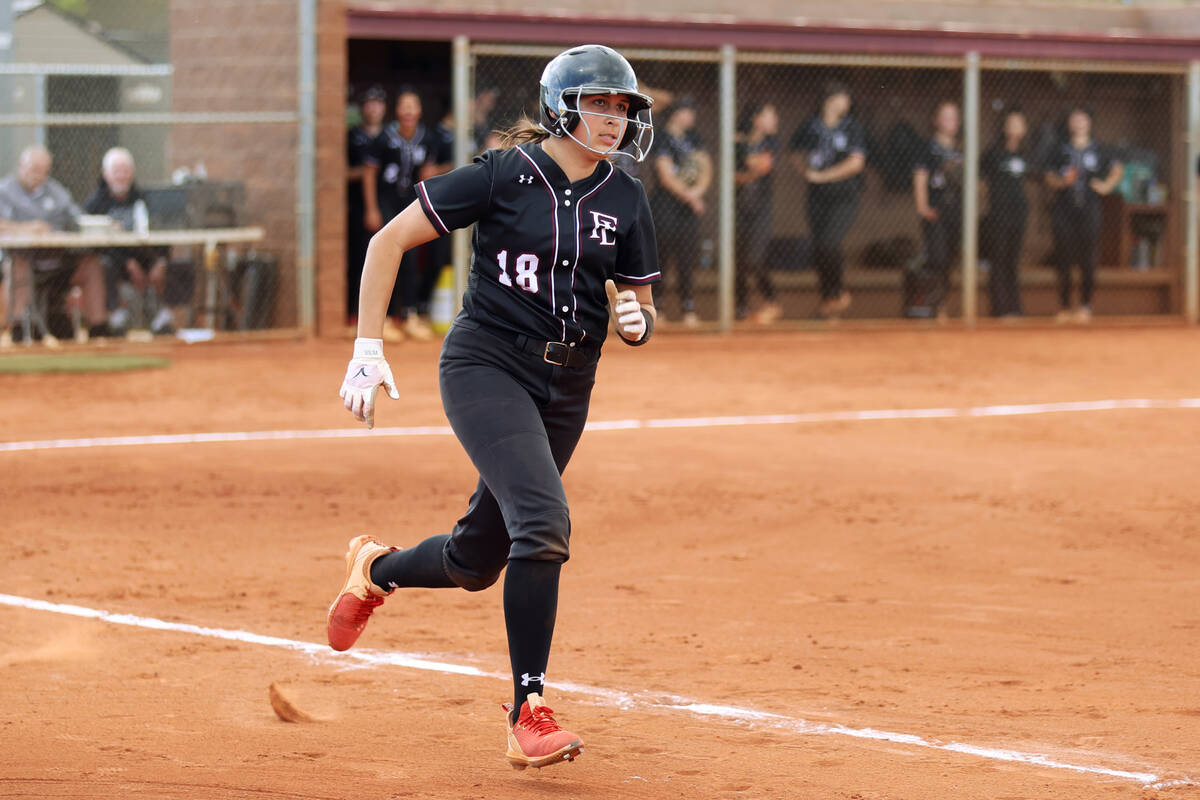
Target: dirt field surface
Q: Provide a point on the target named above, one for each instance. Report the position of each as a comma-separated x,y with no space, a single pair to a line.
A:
969,602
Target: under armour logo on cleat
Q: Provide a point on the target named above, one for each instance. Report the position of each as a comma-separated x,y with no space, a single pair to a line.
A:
527,679
524,179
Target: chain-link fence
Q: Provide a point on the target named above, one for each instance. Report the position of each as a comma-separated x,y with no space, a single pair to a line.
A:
901,187
1099,229
169,202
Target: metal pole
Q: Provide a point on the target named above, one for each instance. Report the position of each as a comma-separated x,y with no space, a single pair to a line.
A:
305,167
463,145
1191,270
970,207
725,255
6,84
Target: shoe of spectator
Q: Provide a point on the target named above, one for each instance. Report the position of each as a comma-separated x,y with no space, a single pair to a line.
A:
1064,315
119,319
834,306
392,332
416,328
163,322
690,319
6,339
1083,315
767,314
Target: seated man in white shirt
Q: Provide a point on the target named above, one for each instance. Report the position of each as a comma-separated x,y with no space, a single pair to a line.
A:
33,202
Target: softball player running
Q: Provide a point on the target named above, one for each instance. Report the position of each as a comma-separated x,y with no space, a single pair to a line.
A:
560,234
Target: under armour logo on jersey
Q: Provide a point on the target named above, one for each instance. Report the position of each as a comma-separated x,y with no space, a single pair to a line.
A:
527,679
604,225
524,179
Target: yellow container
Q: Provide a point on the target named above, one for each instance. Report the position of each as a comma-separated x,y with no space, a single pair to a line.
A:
441,304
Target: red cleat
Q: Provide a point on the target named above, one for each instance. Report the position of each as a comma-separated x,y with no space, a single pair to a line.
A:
352,609
536,740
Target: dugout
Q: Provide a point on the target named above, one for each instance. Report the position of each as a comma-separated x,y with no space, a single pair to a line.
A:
259,93
1137,77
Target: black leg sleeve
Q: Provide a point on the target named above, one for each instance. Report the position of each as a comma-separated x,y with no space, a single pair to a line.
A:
530,608
418,566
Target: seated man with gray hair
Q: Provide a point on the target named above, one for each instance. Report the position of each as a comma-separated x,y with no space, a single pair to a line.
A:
33,202
155,281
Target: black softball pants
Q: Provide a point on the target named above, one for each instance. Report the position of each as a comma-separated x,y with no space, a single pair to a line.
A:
1006,234
519,419
752,234
677,229
1076,241
829,220
942,239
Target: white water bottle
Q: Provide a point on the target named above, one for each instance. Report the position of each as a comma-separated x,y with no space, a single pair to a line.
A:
141,218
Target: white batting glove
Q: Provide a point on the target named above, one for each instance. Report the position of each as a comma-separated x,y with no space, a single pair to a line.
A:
368,370
626,311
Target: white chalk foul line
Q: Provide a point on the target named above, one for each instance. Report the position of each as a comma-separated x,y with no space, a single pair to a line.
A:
621,424
626,700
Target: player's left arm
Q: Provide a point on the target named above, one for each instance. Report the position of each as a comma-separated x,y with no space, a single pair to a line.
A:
705,173
848,167
1104,187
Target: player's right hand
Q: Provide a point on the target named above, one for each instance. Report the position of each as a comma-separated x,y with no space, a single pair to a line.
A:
368,370
626,312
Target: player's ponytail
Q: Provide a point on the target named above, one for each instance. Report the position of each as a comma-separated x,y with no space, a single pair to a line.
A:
525,130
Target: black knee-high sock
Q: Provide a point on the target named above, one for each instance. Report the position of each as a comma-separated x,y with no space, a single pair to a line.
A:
530,606
416,566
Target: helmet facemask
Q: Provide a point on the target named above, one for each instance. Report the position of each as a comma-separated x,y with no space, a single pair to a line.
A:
635,141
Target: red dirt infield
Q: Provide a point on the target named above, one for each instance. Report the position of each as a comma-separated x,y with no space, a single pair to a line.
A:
1000,606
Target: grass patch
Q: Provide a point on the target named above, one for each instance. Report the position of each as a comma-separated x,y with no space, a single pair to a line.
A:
34,363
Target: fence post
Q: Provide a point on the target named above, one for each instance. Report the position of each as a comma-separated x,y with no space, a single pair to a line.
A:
725,222
970,206
1191,272
462,68
6,87
305,166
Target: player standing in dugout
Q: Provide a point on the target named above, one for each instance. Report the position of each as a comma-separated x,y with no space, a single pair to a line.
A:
563,240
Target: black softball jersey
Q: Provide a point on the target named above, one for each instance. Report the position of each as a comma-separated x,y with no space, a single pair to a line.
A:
543,246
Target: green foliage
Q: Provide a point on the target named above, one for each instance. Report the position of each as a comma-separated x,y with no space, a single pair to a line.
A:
78,8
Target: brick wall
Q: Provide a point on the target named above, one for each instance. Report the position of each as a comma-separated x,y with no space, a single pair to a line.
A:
331,167
231,55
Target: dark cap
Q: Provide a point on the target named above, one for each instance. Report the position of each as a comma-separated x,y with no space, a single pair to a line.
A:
375,93
834,87
684,101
